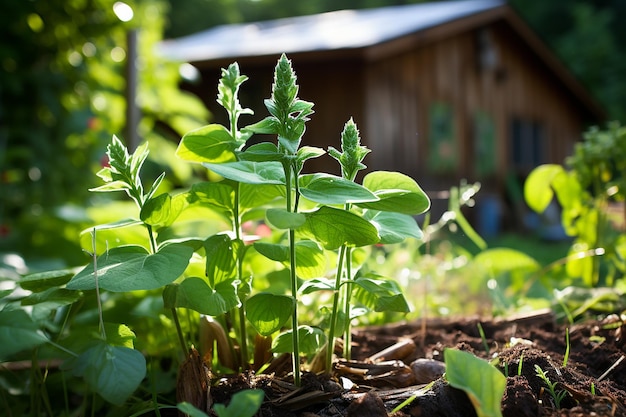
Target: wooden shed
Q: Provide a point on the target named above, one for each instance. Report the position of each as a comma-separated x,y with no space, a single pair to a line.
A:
441,91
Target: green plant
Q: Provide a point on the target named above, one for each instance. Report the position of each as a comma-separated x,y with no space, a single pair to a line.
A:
557,395
596,177
376,212
170,256
482,382
243,404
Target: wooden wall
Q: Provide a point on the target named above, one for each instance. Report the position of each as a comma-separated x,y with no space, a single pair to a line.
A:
393,96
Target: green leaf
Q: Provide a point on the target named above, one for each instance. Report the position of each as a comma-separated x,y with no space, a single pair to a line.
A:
317,284
244,403
334,228
311,260
131,268
393,227
250,172
190,410
381,294
18,332
161,211
114,225
309,152
268,126
268,312
538,191
283,219
51,298
256,195
194,293
44,280
212,143
311,339
221,258
119,335
261,152
330,189
217,195
114,372
396,192
273,251
482,382
502,260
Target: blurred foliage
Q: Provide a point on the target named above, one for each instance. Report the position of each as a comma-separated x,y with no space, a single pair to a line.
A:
62,89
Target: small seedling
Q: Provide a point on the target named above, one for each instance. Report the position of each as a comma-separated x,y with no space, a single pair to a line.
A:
483,337
566,356
557,395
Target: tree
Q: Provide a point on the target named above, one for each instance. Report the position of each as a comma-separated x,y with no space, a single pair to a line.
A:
62,97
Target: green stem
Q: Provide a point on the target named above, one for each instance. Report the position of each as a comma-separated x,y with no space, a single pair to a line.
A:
347,338
179,331
242,309
294,279
330,346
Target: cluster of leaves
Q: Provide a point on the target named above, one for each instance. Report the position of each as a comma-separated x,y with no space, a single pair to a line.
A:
320,227
595,178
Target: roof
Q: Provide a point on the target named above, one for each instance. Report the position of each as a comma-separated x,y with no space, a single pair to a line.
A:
343,29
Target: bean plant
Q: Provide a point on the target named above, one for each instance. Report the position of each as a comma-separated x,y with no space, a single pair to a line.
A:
321,226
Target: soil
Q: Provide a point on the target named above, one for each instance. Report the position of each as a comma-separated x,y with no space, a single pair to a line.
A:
393,362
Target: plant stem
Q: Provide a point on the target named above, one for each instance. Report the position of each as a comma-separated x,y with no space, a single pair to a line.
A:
294,279
179,331
242,309
330,346
347,338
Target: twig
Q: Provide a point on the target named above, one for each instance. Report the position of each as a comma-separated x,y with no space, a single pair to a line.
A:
608,371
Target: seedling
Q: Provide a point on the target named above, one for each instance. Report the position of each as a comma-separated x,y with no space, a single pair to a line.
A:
557,395
482,382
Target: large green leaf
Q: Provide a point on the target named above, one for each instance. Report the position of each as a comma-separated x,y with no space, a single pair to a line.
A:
162,210
381,294
219,195
221,258
249,172
330,189
334,228
501,260
482,382
538,191
311,261
244,403
283,219
114,372
212,143
396,192
18,332
194,293
256,195
268,312
45,303
44,280
130,268
311,339
393,227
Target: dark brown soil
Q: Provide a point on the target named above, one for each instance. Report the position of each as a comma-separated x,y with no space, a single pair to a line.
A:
372,385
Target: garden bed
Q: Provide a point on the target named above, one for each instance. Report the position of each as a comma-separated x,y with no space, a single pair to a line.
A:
594,377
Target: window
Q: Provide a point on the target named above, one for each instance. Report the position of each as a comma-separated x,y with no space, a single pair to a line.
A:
527,145
443,152
484,145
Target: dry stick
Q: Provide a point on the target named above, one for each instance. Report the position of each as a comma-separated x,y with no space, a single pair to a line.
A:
608,371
